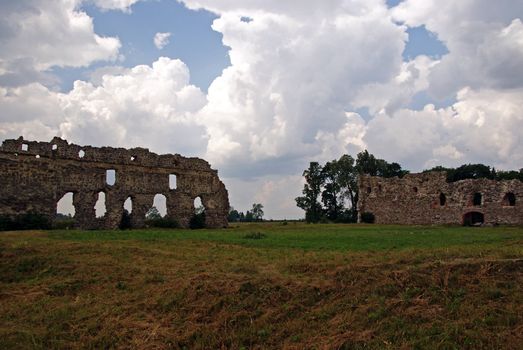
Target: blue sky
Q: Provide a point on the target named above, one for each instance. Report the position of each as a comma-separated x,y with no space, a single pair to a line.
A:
192,40
261,88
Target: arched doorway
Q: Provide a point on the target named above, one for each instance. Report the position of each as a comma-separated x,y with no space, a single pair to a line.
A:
65,211
473,218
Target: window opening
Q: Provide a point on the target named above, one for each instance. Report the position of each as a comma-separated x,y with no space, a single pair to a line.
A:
159,208
81,153
25,147
65,207
509,200
172,181
100,208
110,177
442,199
128,204
477,199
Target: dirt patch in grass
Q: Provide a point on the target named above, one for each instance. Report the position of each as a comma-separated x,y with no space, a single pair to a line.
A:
202,294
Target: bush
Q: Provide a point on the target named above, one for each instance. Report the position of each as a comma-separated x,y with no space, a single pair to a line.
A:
63,224
162,223
367,218
27,221
125,223
197,221
255,235
347,216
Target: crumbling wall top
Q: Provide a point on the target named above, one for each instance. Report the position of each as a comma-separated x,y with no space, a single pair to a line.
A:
60,148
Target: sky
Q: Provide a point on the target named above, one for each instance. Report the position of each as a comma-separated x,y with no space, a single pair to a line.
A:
261,88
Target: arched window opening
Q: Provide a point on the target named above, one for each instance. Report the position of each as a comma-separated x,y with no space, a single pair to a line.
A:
158,210
198,219
473,218
25,147
110,177
380,188
133,158
65,208
198,205
54,147
369,189
477,199
37,156
509,200
81,153
100,208
415,189
172,181
442,199
128,205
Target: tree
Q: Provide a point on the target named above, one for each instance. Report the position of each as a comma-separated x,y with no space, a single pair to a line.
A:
257,212
125,222
153,214
199,209
470,171
248,216
311,191
348,182
331,195
366,163
233,216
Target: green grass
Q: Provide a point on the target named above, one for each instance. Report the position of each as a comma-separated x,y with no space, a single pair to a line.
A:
316,237
263,286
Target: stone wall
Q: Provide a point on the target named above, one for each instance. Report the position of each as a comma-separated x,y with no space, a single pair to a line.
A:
428,198
35,176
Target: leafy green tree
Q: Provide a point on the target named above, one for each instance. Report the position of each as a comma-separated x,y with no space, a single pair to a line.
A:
153,214
471,171
248,216
125,222
331,196
233,216
257,212
367,163
311,191
199,209
348,182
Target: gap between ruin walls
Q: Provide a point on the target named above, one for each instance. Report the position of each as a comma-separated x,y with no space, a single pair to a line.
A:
37,174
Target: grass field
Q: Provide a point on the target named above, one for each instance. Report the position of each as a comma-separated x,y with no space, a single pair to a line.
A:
268,285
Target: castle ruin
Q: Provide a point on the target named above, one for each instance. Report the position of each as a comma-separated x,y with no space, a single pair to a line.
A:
427,198
36,175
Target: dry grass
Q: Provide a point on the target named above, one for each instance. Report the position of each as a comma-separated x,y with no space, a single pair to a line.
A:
205,294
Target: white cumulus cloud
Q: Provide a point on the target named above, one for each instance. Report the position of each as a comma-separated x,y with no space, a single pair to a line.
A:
161,40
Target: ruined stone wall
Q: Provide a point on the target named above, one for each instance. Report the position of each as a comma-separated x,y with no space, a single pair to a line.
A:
428,198
35,176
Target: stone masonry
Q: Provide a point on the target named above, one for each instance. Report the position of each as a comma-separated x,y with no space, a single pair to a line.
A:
35,175
428,198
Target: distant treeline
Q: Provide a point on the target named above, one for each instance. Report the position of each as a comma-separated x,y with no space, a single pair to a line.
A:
478,171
